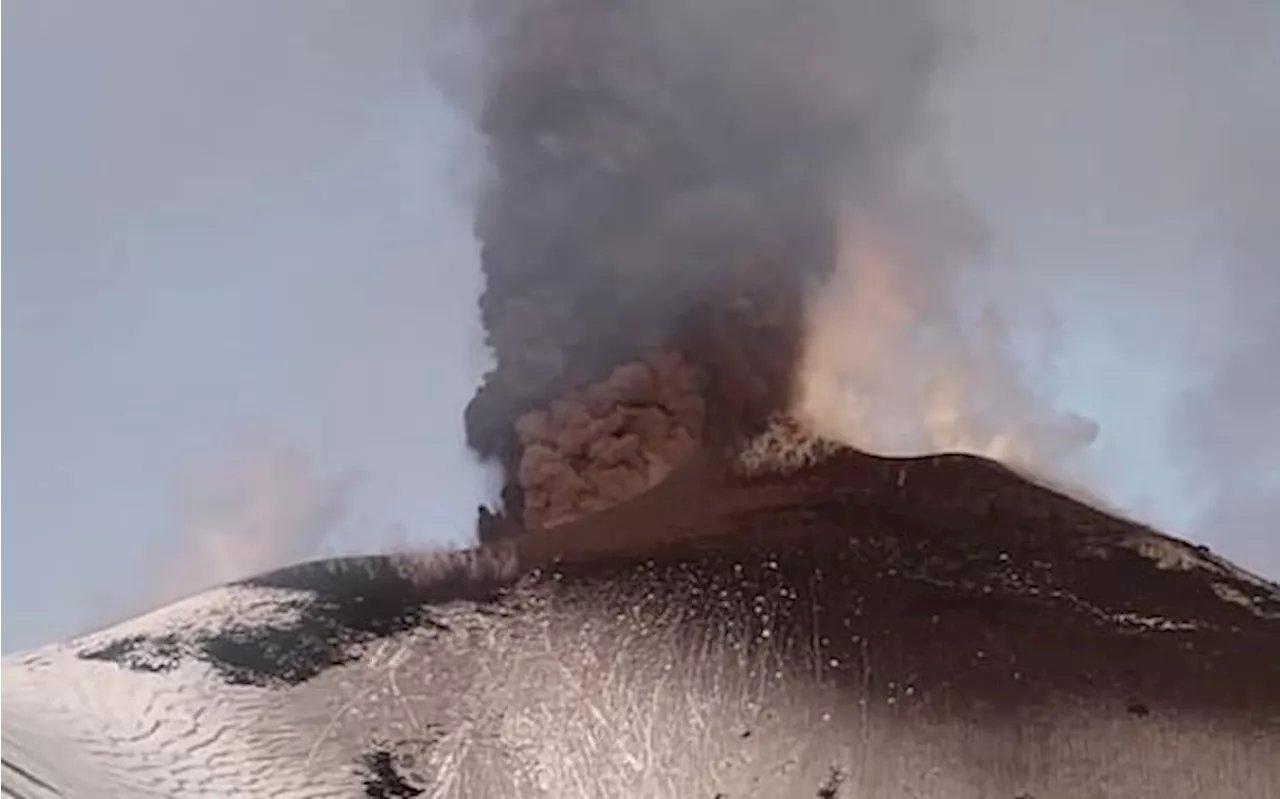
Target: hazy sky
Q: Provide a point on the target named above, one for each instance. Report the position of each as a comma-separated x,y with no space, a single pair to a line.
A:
232,228
238,325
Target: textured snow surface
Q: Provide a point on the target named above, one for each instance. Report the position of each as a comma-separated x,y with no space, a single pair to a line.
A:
85,727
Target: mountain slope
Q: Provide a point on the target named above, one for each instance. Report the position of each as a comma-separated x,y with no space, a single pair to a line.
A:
828,625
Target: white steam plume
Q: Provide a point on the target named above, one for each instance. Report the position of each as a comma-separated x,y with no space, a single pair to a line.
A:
1125,163
1126,160
260,508
892,367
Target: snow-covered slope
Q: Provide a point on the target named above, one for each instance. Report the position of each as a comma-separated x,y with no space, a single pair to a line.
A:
141,710
223,694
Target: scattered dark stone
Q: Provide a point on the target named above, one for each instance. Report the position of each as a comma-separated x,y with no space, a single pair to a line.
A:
1137,708
830,788
154,654
383,780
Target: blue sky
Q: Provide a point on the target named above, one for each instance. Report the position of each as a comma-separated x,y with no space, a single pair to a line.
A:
237,233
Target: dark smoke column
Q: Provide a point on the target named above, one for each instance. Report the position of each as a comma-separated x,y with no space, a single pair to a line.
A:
659,204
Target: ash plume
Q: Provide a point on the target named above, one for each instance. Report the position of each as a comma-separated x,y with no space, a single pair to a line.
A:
676,183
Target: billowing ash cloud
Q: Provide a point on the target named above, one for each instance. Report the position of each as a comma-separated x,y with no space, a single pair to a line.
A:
778,193
708,181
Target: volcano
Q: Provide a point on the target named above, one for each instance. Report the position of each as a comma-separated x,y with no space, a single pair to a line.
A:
687,592
799,620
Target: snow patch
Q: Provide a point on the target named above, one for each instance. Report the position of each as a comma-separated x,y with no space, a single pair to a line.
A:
208,613
1157,623
1170,553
